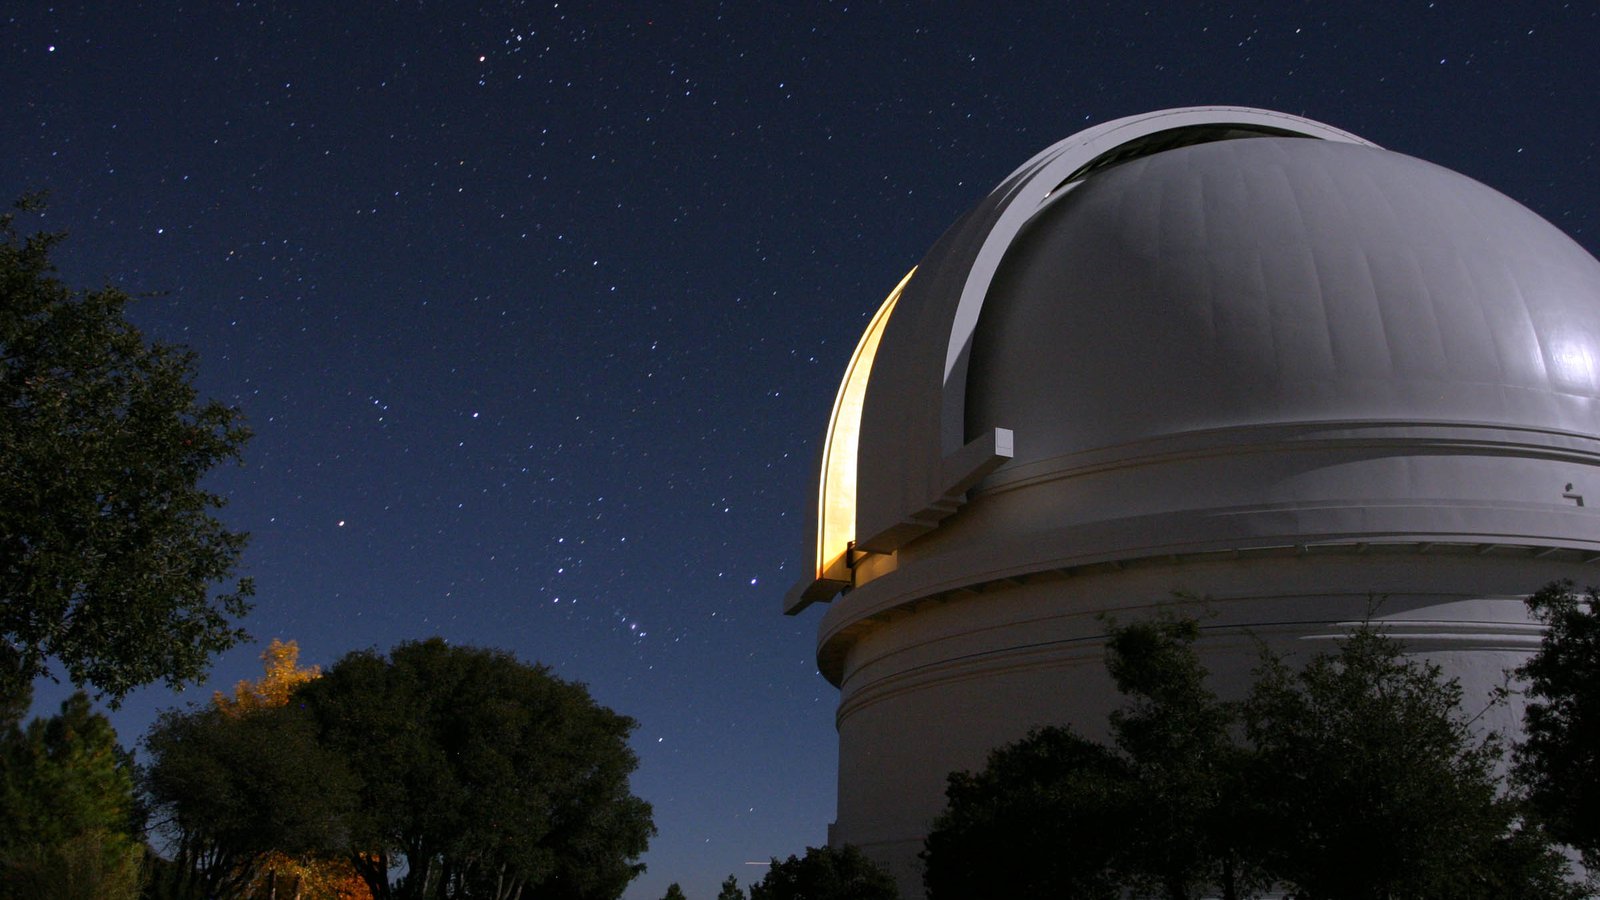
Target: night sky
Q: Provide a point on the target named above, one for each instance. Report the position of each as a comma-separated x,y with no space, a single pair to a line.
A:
538,310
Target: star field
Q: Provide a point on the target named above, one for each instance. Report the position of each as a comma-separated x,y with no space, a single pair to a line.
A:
538,310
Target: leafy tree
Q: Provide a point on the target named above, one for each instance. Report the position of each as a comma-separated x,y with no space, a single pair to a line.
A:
825,873
1360,778
1368,781
1559,762
316,874
282,675
90,865
730,890
674,892
234,793
1185,767
1044,818
481,776
1158,813
108,546
67,814
16,692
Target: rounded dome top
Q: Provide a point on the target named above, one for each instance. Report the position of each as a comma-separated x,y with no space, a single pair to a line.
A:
1215,328
1276,280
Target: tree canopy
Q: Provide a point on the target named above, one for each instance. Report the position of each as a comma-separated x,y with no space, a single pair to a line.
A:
68,822
730,890
109,549
1367,780
1356,776
826,873
433,773
248,799
481,776
1559,760
231,792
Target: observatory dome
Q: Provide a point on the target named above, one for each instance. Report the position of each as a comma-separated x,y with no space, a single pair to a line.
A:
1256,282
1211,352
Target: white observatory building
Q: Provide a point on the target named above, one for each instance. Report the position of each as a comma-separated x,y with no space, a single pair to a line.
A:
1216,352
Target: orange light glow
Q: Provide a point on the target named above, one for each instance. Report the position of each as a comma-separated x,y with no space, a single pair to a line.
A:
836,505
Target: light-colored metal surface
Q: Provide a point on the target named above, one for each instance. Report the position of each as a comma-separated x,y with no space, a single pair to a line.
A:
1293,376
916,401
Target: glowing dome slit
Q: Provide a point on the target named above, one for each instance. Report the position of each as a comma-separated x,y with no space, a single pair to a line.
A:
836,500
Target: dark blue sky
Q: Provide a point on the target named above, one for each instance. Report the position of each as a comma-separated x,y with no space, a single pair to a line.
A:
538,309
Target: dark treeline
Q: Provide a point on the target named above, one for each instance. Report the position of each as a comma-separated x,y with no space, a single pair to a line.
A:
433,772
1357,775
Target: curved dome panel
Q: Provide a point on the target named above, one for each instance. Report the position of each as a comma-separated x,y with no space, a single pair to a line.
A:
1281,280
1212,352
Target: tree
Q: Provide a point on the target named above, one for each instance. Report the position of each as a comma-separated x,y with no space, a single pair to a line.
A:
674,892
68,821
1360,778
1368,781
281,661
825,873
312,874
730,890
108,546
480,775
1185,766
1044,818
250,798
1157,813
231,793
1559,761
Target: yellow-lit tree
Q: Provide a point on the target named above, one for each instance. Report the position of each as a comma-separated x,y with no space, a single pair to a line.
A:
283,875
283,674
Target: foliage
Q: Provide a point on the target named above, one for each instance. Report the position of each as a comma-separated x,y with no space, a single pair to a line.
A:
90,865
730,890
108,545
481,776
1559,762
1157,814
826,873
316,874
283,674
249,796
1355,777
67,813
16,692
233,792
674,892
1185,767
1044,818
1369,782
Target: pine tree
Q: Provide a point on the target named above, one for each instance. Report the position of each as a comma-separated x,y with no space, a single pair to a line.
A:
67,812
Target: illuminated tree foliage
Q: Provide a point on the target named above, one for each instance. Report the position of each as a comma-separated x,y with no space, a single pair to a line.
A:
248,795
312,875
67,815
108,547
232,794
283,674
480,776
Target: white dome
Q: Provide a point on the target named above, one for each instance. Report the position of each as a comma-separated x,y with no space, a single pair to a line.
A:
1210,352
1278,280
